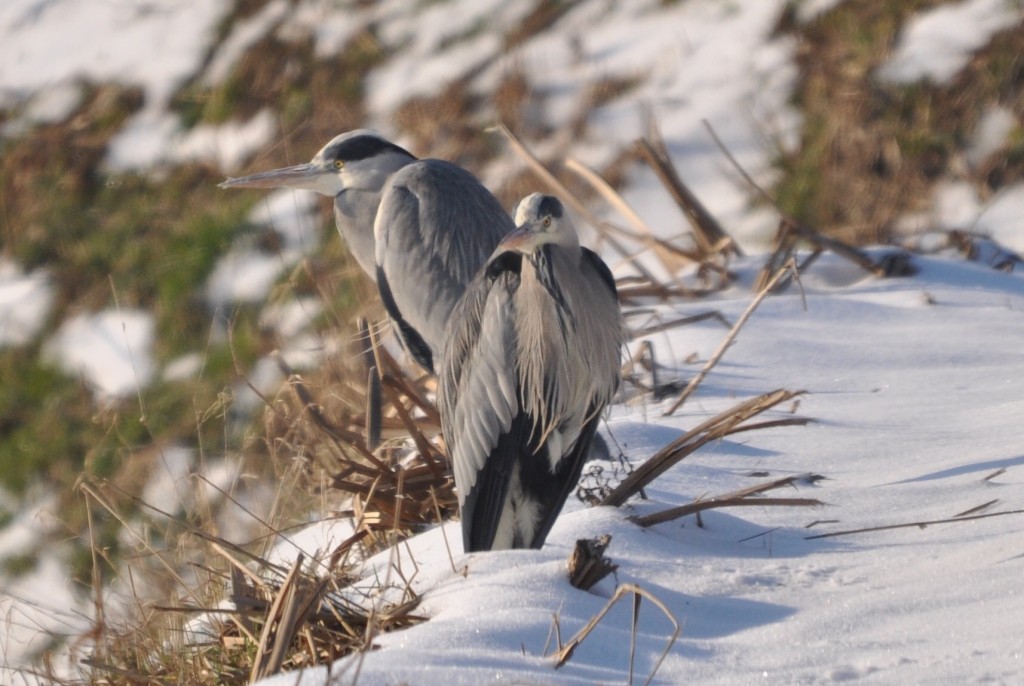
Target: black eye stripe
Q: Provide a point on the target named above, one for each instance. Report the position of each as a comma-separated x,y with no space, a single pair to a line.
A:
361,148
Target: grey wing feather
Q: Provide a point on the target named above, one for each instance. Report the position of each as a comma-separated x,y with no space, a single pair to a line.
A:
435,226
477,394
602,270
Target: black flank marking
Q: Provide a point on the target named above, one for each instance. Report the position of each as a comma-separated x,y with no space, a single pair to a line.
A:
552,489
409,336
362,147
482,508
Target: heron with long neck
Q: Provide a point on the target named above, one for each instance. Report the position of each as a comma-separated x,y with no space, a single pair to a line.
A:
532,361
419,228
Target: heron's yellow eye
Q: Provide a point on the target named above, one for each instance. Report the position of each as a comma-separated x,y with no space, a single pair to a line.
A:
547,222
339,164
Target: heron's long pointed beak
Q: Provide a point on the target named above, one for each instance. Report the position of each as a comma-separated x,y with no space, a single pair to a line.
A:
521,239
305,176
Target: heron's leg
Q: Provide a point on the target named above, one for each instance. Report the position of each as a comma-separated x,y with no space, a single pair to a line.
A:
374,404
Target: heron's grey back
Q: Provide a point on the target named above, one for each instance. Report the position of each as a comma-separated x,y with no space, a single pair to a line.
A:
436,226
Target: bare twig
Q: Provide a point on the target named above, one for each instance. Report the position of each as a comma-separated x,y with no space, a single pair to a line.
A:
719,426
563,655
741,498
713,360
682,321
710,235
912,525
719,502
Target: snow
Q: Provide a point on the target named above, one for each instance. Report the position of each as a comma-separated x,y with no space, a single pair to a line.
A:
40,603
690,73
25,302
247,275
111,350
243,275
938,42
992,133
229,145
188,366
291,318
1003,218
914,388
956,205
244,34
330,29
169,488
48,106
292,215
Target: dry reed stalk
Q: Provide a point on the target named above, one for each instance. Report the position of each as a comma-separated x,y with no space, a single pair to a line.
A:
279,626
565,652
714,359
719,426
711,237
790,230
676,323
631,295
673,257
914,525
740,498
718,502
977,508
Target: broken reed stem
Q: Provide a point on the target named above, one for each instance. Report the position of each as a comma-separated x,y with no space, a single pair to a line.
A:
910,525
682,321
588,564
716,503
741,498
714,359
563,655
719,426
273,628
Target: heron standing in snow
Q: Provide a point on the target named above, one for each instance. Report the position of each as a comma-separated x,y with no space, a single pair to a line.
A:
532,360
420,228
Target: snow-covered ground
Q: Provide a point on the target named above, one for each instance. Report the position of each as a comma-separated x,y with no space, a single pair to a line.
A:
913,382
914,388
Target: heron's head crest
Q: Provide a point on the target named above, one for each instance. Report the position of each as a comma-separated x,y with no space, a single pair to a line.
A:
357,145
541,219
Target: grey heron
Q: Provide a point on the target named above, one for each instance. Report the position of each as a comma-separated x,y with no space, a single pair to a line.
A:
419,228
532,360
